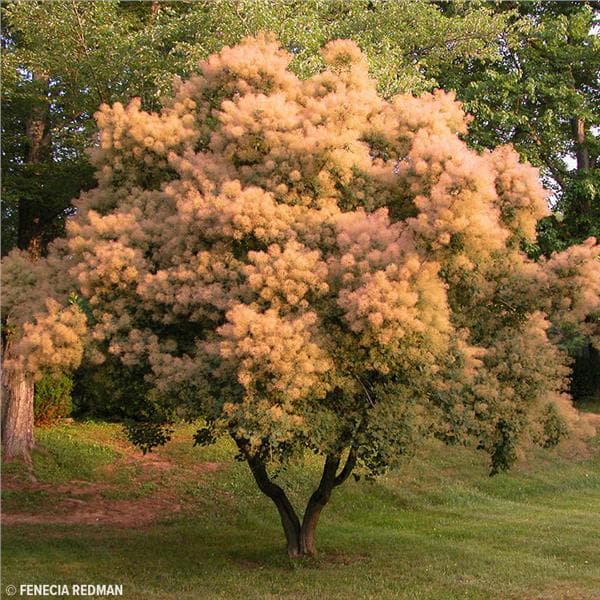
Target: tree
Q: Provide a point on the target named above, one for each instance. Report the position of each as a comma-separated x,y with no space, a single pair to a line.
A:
42,332
541,94
310,267
61,59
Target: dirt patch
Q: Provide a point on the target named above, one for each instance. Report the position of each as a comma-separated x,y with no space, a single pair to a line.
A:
564,591
344,559
90,503
100,511
74,487
207,467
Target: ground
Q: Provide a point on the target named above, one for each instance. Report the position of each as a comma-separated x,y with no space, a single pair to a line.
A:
188,523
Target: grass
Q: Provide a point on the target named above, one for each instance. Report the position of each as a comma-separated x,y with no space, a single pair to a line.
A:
439,528
68,452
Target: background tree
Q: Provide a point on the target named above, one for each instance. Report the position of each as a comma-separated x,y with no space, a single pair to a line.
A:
541,95
310,267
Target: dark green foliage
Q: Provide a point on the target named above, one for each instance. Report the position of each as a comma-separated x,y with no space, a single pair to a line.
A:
116,393
52,399
504,452
147,435
205,436
110,391
585,379
36,199
555,428
576,218
580,207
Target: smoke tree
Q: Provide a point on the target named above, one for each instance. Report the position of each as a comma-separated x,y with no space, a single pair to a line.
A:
43,331
310,267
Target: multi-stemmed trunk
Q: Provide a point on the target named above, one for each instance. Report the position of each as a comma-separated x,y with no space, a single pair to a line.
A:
300,536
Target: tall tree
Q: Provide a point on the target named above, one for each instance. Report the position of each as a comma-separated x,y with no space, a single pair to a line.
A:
61,59
311,267
542,95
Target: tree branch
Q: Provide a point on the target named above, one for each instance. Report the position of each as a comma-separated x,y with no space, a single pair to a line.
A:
348,467
364,387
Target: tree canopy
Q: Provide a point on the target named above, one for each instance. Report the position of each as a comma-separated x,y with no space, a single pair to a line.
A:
62,59
308,265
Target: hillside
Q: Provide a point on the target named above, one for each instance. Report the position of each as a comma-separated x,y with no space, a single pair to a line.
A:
188,523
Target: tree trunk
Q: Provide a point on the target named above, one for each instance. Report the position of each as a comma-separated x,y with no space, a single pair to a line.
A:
300,539
18,389
37,129
17,413
316,504
29,233
320,498
289,519
581,149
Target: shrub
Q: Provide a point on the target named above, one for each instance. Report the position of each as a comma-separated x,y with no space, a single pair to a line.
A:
52,398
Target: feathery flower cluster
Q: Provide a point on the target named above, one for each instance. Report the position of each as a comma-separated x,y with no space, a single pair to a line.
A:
277,354
285,277
402,309
317,258
54,340
200,287
521,197
438,113
454,194
570,286
132,141
47,333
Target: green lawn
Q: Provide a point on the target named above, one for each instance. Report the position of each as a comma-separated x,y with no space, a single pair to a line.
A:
188,523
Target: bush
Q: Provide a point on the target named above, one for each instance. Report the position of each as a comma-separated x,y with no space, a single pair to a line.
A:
555,427
52,398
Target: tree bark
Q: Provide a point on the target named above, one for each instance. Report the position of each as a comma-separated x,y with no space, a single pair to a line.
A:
320,498
300,538
17,414
289,519
581,149
316,504
37,129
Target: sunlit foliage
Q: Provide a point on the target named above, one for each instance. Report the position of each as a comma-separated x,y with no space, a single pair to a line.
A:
307,265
